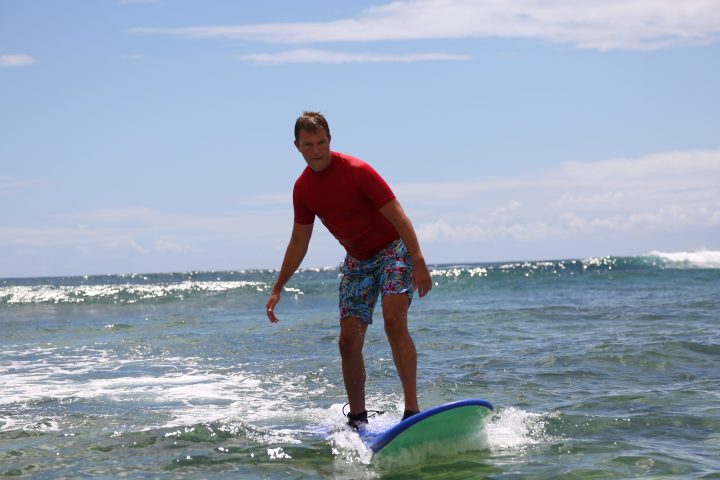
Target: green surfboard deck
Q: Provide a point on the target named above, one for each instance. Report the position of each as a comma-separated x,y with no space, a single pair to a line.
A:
445,423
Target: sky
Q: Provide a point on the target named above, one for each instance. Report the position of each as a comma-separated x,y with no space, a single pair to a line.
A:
156,136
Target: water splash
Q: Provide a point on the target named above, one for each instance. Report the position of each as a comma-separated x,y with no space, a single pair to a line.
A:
515,429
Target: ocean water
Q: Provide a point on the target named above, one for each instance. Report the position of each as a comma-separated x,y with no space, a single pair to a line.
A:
598,368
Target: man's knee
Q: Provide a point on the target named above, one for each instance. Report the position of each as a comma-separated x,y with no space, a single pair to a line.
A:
349,344
395,318
396,329
352,336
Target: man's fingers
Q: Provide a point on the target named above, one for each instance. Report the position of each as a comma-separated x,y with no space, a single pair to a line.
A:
424,285
270,308
421,283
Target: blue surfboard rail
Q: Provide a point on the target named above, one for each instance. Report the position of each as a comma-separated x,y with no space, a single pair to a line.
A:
393,432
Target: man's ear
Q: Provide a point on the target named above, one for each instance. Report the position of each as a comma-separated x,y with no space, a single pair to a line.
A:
297,144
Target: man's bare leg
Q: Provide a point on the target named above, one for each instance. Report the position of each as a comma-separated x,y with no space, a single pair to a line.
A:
352,338
395,309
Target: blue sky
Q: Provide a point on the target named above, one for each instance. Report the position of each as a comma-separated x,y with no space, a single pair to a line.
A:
145,136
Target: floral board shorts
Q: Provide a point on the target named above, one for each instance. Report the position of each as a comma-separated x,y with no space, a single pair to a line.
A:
388,272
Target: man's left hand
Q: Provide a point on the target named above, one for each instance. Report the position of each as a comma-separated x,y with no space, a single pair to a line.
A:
421,280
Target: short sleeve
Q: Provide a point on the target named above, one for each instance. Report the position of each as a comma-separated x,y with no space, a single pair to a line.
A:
373,186
303,215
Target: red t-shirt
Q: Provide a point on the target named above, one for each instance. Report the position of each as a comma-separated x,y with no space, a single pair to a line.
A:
347,197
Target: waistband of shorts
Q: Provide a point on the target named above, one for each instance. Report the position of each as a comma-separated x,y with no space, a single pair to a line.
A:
390,246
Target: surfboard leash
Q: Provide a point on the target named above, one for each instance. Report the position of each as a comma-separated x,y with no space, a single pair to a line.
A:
375,413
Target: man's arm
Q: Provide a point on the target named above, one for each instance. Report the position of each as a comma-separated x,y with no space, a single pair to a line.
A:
420,276
296,250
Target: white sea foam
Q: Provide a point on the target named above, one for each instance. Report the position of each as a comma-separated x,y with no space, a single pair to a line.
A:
193,396
188,397
457,271
124,293
699,258
514,429
349,447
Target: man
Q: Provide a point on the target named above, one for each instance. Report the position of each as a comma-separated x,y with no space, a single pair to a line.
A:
383,256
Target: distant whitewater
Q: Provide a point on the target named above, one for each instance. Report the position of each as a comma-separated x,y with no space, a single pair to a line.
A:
700,258
602,367
134,288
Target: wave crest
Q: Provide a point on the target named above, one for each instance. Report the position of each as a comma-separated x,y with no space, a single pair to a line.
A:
119,293
699,258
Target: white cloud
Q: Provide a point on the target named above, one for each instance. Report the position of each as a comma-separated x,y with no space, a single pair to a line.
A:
152,240
12,185
16,60
284,199
163,246
591,24
143,229
141,239
576,209
331,57
668,192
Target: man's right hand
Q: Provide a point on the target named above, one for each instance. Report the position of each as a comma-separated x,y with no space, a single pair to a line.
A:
270,306
296,250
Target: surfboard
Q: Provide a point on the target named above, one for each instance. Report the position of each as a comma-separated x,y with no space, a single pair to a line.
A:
455,421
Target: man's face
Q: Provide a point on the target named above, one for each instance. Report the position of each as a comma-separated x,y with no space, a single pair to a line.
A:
315,148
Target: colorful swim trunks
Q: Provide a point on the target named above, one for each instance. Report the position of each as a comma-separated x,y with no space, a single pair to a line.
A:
388,272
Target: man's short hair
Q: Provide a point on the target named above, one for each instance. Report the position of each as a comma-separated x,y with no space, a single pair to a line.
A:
311,122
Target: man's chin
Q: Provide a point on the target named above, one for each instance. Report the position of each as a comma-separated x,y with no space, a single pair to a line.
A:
317,166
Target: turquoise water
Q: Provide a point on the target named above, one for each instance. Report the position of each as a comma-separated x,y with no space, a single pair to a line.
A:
598,368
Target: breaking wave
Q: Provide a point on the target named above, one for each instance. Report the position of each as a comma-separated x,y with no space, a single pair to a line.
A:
122,289
697,259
